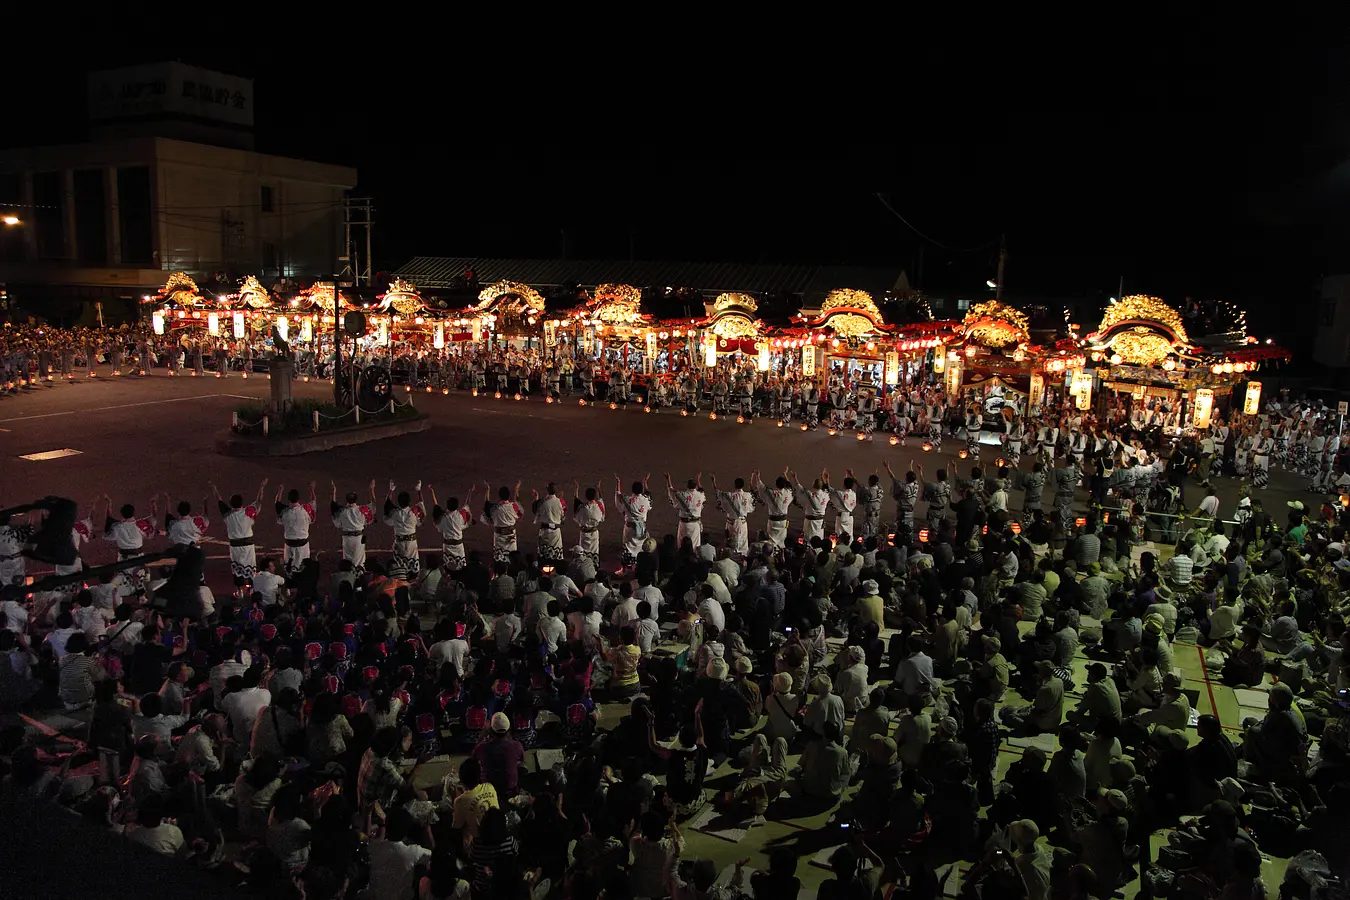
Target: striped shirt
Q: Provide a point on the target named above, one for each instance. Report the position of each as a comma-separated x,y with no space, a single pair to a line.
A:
1179,569
78,674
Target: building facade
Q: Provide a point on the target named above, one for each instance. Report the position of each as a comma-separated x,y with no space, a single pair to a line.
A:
107,219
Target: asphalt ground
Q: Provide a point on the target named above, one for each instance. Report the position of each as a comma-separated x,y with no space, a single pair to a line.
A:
138,436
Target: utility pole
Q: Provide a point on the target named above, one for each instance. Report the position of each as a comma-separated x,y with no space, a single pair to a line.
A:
1002,259
357,212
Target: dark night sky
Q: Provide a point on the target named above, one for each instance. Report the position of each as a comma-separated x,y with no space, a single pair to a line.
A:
1194,167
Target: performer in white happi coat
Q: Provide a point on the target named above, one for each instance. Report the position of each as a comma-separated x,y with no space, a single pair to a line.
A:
688,505
404,516
128,532
906,494
81,534
738,504
351,520
502,514
844,500
239,520
776,501
13,536
295,518
635,507
813,502
869,499
451,522
184,529
548,515
588,514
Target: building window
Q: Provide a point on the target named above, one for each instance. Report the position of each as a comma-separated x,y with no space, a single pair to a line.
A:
91,211
266,200
962,305
135,215
49,215
271,261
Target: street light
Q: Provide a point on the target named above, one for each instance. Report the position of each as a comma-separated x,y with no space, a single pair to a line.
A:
990,283
11,220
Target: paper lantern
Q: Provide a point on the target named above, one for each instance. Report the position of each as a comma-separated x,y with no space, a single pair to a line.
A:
1251,403
1203,408
213,323
497,395
861,436
927,446
157,322
1079,522
894,441
712,417
306,330
438,336
613,405
923,535
763,362
740,420
684,412
1016,527
238,325
832,431
283,327
963,453
808,361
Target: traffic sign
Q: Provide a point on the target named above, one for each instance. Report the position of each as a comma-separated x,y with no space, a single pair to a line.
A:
1343,407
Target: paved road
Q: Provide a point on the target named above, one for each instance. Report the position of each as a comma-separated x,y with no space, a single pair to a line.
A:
136,436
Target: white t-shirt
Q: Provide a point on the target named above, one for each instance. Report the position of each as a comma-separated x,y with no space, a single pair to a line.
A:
15,616
243,707
165,838
266,584
711,611
391,868
553,631
453,651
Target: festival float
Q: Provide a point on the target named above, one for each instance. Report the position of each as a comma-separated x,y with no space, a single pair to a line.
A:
1144,349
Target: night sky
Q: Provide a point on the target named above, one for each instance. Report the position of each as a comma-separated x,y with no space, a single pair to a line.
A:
1194,168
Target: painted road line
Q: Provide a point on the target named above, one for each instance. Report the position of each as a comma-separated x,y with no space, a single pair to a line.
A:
50,454
98,409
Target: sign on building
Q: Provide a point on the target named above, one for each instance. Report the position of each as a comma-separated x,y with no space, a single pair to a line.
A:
170,89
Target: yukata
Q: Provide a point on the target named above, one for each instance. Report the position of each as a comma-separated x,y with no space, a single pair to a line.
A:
635,508
813,501
406,561
776,501
502,516
239,533
688,505
450,523
737,505
295,519
588,514
351,521
548,516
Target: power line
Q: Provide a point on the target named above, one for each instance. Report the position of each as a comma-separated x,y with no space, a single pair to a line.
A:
933,240
317,204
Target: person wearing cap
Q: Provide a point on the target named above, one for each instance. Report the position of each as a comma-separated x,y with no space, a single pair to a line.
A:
1032,860
1155,639
826,708
748,691
1164,608
782,707
994,674
870,606
851,680
501,757
1102,843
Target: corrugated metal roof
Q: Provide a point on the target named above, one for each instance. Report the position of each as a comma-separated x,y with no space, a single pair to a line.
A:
436,272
